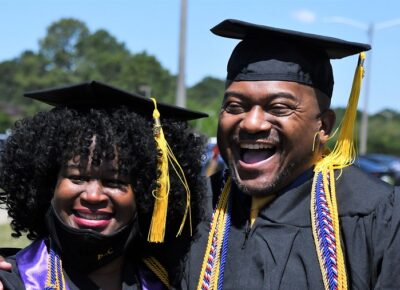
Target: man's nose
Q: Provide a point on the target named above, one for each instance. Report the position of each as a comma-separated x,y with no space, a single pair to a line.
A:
255,121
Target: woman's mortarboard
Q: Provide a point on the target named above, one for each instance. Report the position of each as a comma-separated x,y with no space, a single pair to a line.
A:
94,94
268,53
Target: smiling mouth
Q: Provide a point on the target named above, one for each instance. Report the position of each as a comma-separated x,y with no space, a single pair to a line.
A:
254,153
93,216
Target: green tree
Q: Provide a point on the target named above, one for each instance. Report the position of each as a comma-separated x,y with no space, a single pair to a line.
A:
60,45
100,57
70,53
384,133
144,69
207,96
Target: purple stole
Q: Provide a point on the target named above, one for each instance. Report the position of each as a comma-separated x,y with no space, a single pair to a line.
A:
150,283
32,267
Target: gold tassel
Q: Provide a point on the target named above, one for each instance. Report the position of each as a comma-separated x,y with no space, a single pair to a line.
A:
344,152
164,157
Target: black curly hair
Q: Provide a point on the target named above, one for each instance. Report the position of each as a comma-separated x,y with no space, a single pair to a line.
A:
40,145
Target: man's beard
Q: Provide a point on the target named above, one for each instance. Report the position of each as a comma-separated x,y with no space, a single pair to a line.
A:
274,186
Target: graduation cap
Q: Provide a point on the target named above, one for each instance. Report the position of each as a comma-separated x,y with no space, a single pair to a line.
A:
268,53
94,94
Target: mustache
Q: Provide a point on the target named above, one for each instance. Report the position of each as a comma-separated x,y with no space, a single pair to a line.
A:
268,137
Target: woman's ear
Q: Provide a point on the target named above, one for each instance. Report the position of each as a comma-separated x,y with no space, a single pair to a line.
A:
328,119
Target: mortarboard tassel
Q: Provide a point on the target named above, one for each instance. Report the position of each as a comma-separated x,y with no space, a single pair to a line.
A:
165,157
324,211
344,151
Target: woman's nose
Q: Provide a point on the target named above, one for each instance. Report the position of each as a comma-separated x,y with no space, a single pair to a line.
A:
93,191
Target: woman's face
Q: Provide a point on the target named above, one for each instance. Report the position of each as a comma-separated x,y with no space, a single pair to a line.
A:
97,198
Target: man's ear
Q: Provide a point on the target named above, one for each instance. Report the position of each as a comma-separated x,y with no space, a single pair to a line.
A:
328,118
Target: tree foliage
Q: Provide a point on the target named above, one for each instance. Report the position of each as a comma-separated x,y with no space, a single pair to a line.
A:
71,53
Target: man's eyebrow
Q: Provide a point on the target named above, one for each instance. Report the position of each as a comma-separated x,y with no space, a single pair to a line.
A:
271,95
233,94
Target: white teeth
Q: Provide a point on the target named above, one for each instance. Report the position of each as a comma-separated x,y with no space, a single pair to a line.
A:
92,216
256,146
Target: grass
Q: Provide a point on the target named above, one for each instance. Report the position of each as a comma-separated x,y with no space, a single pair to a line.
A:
6,241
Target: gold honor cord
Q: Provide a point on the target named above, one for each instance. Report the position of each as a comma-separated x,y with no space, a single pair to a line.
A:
155,266
342,155
214,243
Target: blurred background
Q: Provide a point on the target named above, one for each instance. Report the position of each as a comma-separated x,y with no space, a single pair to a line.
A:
164,49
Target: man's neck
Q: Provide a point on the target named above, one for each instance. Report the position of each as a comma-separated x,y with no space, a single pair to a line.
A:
257,203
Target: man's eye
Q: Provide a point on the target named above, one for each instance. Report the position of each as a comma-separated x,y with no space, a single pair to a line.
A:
280,110
234,108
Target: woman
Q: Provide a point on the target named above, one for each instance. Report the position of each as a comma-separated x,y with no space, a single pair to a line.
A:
80,180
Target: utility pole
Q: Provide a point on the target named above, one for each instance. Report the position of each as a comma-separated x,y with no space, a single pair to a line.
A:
364,116
180,86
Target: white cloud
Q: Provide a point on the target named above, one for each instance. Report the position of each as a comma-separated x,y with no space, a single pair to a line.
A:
304,16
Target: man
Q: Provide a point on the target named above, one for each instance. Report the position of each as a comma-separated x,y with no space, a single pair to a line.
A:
289,214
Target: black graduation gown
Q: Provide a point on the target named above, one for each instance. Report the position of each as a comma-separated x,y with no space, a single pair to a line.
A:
278,251
12,280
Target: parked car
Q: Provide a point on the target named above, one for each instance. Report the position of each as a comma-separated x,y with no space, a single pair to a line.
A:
375,168
392,162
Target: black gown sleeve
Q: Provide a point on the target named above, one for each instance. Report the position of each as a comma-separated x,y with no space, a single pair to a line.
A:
389,273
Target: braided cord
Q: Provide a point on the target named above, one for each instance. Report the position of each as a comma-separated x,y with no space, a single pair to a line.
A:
325,226
155,266
55,276
342,276
220,239
224,247
211,264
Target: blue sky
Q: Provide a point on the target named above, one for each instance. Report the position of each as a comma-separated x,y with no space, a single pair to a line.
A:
153,26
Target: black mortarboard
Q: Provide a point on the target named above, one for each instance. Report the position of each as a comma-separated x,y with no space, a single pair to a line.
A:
99,95
268,53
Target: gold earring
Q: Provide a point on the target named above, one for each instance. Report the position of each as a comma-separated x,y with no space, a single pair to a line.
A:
315,139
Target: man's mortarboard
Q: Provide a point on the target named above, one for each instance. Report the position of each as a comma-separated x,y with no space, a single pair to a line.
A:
95,94
268,53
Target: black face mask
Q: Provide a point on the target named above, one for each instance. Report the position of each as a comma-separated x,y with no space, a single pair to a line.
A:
86,250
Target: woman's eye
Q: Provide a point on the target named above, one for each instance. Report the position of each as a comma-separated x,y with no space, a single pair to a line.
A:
115,184
78,179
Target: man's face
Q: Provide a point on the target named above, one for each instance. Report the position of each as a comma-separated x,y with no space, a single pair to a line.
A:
266,133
